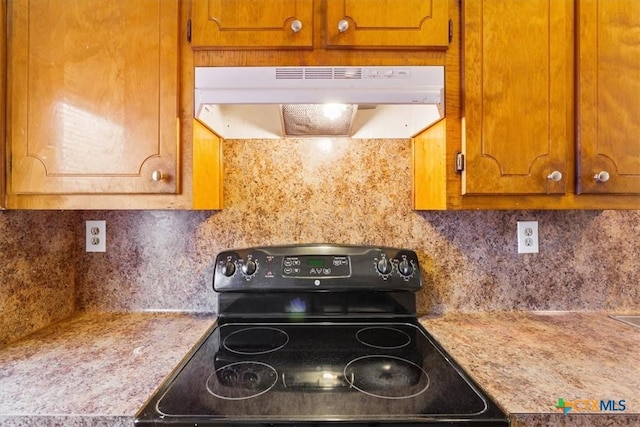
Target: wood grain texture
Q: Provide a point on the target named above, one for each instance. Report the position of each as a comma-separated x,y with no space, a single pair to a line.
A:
517,96
92,111
387,23
456,123
429,168
609,96
207,171
247,24
252,24
3,98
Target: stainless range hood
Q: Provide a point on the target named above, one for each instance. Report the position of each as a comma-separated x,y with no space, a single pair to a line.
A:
358,102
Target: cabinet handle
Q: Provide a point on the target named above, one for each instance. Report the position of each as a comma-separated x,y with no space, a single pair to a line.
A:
343,25
555,176
157,176
296,25
602,176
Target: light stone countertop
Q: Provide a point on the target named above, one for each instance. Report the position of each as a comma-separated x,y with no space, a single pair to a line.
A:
99,369
527,360
93,369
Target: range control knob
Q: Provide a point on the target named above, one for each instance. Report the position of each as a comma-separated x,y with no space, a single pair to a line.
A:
383,266
405,268
228,268
249,267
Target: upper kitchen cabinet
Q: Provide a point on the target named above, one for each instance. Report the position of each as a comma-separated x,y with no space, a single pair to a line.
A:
252,24
528,135
387,23
307,24
3,98
517,96
93,89
608,96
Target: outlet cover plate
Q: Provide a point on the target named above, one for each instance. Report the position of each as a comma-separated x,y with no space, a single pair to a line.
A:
528,237
96,236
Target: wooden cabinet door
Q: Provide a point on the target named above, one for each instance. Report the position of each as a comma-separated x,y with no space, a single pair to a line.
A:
252,24
387,23
3,98
94,88
517,124
609,96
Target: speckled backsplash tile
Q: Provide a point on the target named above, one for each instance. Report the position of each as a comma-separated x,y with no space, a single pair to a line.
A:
37,270
358,192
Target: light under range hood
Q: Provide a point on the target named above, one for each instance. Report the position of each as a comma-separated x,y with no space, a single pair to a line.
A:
277,102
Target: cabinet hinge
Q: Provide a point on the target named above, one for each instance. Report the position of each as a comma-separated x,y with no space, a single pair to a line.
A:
450,30
459,162
189,30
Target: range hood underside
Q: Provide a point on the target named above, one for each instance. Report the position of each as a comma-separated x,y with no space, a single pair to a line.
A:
258,121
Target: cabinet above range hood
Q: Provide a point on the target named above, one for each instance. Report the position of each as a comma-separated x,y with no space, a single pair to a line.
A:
358,102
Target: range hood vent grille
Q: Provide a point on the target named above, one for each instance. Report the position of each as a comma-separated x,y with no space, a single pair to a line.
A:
348,73
289,73
318,73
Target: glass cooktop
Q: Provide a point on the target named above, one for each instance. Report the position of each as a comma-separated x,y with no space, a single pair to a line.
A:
317,372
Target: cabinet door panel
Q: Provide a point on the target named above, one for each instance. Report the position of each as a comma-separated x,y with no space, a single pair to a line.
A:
94,91
251,23
609,96
517,96
3,99
388,23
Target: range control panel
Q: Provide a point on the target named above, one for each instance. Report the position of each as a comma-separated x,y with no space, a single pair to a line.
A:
316,268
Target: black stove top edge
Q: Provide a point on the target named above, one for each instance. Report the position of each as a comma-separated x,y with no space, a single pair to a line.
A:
311,305
382,422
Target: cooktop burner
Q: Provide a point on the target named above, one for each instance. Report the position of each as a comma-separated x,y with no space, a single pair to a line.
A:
318,334
386,377
242,380
381,337
256,340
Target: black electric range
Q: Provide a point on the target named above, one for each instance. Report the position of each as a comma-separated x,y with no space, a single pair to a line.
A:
319,334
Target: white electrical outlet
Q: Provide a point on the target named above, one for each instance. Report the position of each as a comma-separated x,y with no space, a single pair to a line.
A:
528,237
96,236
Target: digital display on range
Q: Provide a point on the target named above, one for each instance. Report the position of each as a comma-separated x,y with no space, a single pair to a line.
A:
315,262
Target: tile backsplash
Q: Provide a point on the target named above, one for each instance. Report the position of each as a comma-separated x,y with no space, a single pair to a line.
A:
315,190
